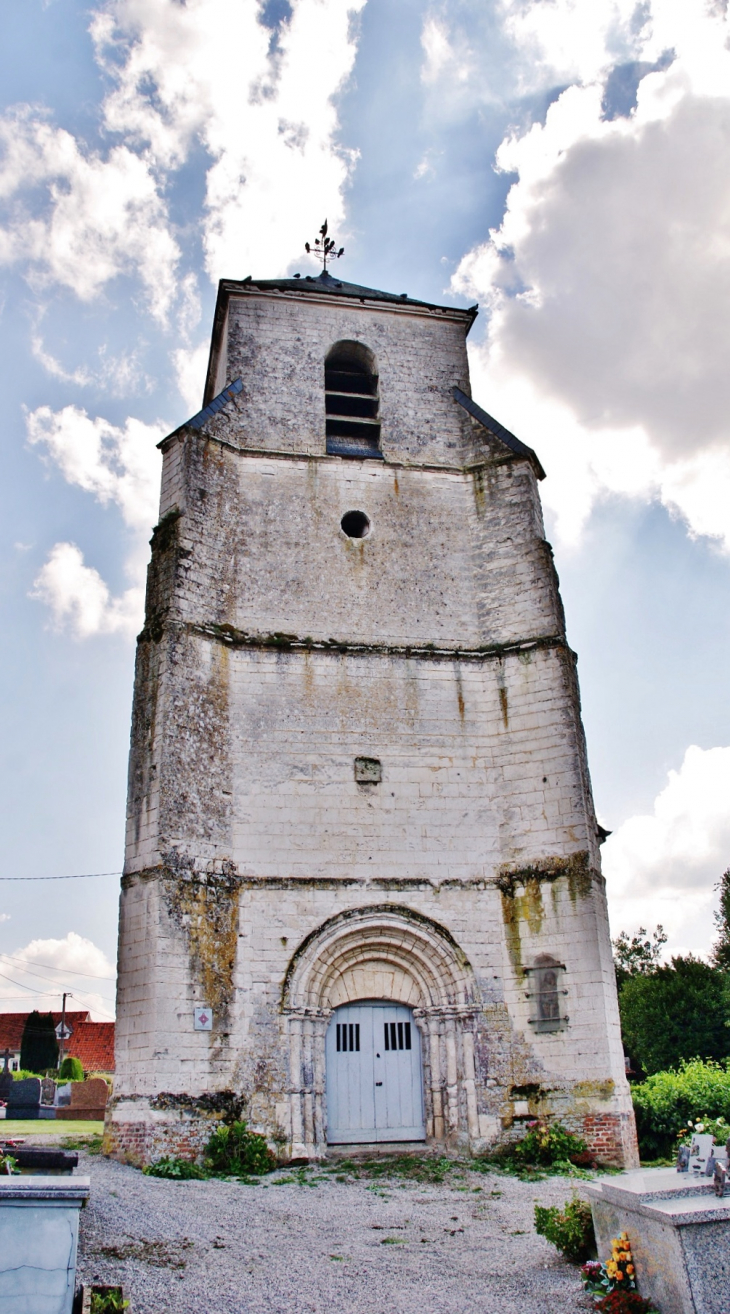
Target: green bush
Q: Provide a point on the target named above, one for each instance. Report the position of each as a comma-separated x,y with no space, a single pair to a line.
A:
545,1144
237,1152
71,1069
176,1170
665,1103
569,1229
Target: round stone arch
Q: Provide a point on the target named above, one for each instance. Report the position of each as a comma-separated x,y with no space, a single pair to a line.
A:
383,952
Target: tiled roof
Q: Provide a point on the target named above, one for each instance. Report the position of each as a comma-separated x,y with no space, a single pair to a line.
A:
91,1042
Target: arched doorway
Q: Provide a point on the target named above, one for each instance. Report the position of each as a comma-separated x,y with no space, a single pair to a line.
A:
393,957
374,1075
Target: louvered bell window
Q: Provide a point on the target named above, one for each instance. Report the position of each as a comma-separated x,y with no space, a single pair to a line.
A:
351,402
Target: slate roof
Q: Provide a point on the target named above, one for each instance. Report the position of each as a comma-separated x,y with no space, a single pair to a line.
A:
337,287
90,1042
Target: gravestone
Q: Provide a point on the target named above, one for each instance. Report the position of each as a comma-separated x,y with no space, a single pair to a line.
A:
25,1100
48,1090
88,1101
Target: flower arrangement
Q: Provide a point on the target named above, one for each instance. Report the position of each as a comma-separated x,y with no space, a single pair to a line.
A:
617,1274
716,1127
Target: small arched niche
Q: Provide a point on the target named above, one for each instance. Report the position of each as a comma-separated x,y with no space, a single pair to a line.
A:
351,401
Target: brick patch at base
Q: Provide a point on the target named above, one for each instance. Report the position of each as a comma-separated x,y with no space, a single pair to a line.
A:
611,1137
140,1143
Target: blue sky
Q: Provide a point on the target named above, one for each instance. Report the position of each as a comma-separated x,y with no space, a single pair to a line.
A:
562,162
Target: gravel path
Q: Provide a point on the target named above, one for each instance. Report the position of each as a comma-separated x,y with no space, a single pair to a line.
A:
301,1242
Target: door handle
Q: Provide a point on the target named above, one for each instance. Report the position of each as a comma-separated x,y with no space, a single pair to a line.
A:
378,1083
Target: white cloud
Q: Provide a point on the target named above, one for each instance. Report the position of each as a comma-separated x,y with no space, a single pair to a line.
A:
608,282
72,963
120,466
4,917
204,72
446,54
116,465
78,219
72,954
575,40
117,375
78,597
662,866
190,368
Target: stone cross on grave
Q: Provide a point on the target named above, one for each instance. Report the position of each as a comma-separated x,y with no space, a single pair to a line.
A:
6,1076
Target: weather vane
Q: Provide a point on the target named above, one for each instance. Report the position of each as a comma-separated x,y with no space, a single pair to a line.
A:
324,247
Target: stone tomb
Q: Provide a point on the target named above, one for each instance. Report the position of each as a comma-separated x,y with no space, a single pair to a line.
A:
25,1100
679,1231
39,1227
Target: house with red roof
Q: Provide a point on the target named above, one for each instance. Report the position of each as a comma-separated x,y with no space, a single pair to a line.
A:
90,1042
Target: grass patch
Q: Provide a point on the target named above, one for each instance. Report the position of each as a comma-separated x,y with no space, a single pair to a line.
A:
422,1168
48,1127
91,1144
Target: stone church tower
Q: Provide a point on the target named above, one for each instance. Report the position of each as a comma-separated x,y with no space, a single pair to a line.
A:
362,897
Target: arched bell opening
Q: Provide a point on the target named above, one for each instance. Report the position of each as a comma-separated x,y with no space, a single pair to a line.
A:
351,401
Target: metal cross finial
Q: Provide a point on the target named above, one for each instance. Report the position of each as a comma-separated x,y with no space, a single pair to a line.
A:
324,247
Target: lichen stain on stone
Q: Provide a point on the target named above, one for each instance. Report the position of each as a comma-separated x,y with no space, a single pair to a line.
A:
525,907
504,705
521,893
308,678
594,1090
204,907
477,476
460,693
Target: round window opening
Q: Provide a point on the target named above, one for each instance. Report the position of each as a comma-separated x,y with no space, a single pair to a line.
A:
355,524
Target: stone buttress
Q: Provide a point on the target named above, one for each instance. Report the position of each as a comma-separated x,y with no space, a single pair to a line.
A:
357,768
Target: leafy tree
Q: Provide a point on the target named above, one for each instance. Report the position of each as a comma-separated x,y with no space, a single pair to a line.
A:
721,947
675,1012
38,1045
638,955
71,1069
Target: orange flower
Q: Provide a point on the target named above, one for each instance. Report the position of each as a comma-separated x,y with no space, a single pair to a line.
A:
619,1276
630,1270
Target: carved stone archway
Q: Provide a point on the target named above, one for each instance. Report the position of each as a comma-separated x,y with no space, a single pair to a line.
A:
383,952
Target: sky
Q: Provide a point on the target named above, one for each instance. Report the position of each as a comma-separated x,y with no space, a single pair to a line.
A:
565,163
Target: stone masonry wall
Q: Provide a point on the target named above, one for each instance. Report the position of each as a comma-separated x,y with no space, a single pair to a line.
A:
275,652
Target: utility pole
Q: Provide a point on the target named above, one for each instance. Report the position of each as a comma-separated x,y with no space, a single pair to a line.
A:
62,1044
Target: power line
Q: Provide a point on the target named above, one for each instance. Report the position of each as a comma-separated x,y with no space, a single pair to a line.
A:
85,876
70,971
45,993
56,986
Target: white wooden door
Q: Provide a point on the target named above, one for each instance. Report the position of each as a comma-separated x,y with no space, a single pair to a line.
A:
374,1082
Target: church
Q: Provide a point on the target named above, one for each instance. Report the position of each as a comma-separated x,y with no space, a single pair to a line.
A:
362,900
